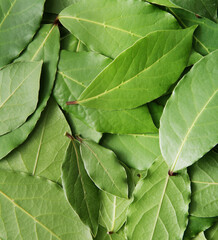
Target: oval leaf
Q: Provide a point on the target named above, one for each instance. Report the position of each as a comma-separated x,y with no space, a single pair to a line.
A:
204,179
160,206
45,46
35,210
143,77
189,125
116,24
19,89
104,168
17,26
79,189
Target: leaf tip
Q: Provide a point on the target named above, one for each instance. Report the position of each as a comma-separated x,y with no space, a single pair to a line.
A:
171,173
72,103
69,136
56,21
110,233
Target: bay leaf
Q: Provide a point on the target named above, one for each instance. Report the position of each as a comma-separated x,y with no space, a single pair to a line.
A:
79,189
104,235
160,206
104,168
55,6
17,26
188,127
45,46
143,77
116,24
75,72
19,90
42,153
35,208
204,179
212,233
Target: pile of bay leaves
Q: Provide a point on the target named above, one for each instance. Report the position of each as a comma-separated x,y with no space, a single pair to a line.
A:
108,120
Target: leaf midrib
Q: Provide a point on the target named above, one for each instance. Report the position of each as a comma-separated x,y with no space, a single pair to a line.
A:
28,214
101,24
8,12
127,81
189,131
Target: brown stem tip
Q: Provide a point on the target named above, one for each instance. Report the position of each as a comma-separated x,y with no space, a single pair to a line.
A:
171,173
72,103
197,16
110,233
56,21
79,139
69,136
139,175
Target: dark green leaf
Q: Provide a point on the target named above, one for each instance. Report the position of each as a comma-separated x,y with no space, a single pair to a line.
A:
212,233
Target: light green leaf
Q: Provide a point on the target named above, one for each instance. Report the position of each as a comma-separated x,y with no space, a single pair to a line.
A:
80,127
80,191
205,8
113,211
42,153
212,233
35,208
197,225
205,36
204,179
136,151
19,90
55,6
166,3
45,46
200,236
104,168
111,26
189,126
160,206
76,71
143,77
104,235
19,20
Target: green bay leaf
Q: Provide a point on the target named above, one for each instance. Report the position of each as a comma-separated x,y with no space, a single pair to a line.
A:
136,151
143,77
166,3
104,235
42,153
212,233
116,24
35,208
204,179
104,168
17,26
160,206
45,46
19,90
188,127
75,72
79,189
55,6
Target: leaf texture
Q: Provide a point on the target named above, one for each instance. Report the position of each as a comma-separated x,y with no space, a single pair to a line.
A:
116,24
143,77
42,153
136,151
204,179
19,20
189,126
36,208
19,90
79,189
212,233
45,46
160,206
113,211
75,72
104,168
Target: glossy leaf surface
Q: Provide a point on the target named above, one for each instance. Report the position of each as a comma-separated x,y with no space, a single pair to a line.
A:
45,46
204,179
36,210
76,71
206,34
104,168
116,24
19,90
136,151
189,126
19,20
79,189
43,152
142,78
160,206
205,8
113,211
